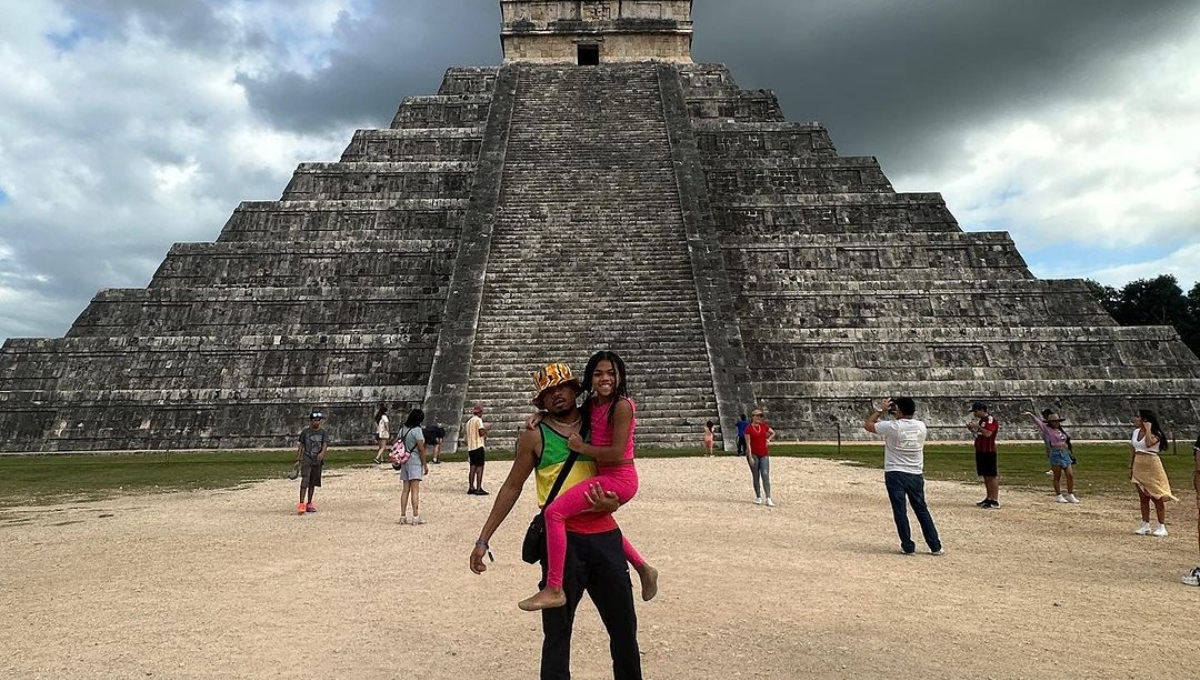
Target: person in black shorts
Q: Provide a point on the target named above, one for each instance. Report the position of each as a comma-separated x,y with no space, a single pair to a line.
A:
985,428
475,435
434,434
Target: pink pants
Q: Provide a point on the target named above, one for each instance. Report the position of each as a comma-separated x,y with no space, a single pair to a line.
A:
619,479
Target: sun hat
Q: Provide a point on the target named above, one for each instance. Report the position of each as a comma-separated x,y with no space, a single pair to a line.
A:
1053,417
552,375
477,409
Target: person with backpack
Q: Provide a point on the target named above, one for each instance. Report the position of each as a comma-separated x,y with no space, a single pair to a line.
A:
409,455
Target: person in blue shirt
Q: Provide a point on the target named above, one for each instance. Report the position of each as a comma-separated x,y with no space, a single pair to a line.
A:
742,424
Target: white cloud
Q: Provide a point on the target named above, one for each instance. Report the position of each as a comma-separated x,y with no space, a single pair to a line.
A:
124,143
1113,173
1184,264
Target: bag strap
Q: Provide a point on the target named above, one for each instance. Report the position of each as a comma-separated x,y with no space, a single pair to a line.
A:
562,476
404,438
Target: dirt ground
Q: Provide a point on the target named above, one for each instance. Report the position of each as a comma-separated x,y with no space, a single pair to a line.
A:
229,584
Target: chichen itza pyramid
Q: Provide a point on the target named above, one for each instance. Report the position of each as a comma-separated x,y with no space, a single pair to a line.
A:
597,190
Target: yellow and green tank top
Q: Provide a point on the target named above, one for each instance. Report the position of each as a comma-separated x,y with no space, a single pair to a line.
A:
554,456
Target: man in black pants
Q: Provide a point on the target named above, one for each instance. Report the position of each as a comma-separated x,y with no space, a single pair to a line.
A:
595,556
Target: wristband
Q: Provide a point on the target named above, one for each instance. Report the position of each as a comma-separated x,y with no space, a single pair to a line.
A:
482,544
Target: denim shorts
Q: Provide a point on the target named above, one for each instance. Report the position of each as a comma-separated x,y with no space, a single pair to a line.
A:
1060,458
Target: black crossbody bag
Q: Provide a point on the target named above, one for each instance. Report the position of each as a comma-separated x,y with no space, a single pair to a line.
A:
534,547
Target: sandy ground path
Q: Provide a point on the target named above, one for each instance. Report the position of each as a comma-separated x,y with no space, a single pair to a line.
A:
228,584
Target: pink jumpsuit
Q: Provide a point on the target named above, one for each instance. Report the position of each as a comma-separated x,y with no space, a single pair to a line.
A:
619,479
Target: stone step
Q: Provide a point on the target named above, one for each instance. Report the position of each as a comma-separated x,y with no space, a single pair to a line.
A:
459,110
460,81
417,264
223,311
415,144
341,181
345,220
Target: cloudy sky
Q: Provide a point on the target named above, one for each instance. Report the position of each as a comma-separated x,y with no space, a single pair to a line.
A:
128,125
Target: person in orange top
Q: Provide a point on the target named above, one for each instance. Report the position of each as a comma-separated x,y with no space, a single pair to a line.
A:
759,434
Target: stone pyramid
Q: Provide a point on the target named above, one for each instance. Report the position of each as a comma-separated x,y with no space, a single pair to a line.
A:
597,190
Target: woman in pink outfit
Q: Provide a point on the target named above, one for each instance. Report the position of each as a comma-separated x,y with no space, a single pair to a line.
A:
608,416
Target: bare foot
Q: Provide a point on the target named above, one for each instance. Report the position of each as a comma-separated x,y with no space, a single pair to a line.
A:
546,598
649,576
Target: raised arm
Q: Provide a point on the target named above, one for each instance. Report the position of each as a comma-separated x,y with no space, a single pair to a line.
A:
1039,422
876,414
622,423
506,497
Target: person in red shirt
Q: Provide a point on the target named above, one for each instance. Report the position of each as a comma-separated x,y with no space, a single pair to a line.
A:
985,428
760,434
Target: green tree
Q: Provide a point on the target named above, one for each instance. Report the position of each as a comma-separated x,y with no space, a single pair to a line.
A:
1154,302
1108,297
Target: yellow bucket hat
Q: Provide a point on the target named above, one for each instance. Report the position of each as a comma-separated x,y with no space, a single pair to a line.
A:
552,375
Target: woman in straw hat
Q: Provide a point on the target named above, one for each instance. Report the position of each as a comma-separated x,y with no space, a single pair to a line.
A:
1059,444
1147,473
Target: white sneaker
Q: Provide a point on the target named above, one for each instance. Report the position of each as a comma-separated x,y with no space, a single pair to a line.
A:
1192,579
1143,530
758,500
1050,472
1072,499
770,503
1161,531
1062,498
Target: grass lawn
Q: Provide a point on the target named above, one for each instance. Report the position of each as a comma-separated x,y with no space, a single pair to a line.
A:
1102,468
51,479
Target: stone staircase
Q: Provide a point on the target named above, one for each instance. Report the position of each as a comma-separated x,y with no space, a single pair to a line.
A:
848,291
589,253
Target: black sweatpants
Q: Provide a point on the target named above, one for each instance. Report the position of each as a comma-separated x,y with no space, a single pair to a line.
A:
596,564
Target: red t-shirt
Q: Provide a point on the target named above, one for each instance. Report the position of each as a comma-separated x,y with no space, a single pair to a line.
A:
985,444
757,436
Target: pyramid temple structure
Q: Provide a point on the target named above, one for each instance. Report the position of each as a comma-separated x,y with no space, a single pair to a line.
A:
598,189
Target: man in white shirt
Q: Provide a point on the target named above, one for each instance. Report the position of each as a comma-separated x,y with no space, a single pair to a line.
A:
476,433
904,469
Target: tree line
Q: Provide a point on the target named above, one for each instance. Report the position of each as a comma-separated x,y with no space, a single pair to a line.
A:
1154,302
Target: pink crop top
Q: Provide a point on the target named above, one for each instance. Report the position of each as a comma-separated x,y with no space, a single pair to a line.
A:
602,429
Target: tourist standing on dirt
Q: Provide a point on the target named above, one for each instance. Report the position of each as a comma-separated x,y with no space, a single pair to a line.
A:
985,426
760,435
595,552
1147,473
608,423
383,433
904,469
742,424
708,437
434,434
1061,462
310,454
1193,579
475,436
413,465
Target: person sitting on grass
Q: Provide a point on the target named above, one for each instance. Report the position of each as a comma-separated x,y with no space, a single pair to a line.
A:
310,455
1061,462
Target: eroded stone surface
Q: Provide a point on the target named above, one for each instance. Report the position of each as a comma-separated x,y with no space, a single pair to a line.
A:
535,213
